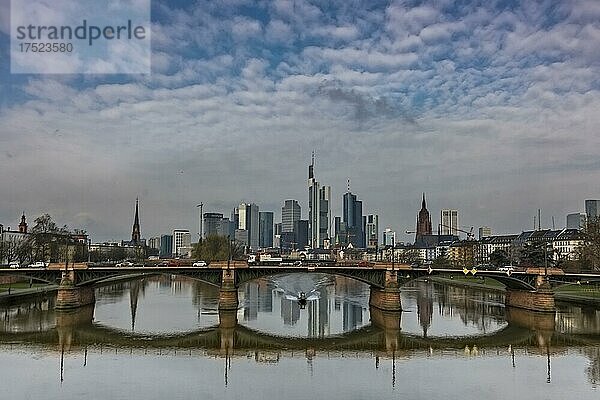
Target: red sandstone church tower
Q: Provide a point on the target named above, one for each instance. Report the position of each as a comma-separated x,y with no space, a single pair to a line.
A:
423,221
135,234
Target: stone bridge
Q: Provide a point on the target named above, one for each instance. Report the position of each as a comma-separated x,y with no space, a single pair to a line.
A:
526,290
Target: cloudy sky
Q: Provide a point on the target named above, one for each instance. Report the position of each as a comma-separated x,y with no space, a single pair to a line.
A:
489,107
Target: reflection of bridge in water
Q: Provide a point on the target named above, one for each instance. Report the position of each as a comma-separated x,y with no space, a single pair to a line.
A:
524,329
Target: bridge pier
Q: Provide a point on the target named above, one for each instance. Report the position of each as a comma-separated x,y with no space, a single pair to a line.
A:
70,297
541,300
388,298
228,294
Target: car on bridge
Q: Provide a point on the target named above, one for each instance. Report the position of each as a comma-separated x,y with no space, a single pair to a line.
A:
14,264
507,269
200,263
38,264
124,264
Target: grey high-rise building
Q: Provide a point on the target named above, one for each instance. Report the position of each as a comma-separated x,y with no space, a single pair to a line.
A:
592,209
212,224
181,242
166,245
319,203
372,231
576,220
287,241
449,222
227,228
235,221
248,221
389,237
484,231
339,230
265,223
290,213
154,243
301,233
353,220
277,235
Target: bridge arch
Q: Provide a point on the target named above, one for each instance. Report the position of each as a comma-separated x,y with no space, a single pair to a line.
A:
513,282
91,277
373,278
34,276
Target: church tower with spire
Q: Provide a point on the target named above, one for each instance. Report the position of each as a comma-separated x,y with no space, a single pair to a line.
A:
135,233
423,221
23,224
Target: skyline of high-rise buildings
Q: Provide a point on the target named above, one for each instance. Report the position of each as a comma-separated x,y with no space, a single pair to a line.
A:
258,230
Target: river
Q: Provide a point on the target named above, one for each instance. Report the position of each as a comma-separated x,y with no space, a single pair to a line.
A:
164,338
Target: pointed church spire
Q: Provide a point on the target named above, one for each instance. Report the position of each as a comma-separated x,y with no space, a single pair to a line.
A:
135,233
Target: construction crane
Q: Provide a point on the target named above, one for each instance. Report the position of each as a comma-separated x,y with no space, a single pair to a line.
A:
470,235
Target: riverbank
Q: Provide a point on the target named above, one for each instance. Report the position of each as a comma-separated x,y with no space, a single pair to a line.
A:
15,294
570,294
20,291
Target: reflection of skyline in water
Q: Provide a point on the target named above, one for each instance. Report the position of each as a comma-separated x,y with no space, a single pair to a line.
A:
323,315
434,309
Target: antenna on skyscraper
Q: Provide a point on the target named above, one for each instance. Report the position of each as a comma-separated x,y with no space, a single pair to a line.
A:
348,185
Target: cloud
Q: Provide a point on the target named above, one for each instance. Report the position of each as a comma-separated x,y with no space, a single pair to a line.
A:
490,110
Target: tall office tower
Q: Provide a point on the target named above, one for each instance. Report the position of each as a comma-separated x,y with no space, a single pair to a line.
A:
423,221
339,231
353,219
212,224
372,231
290,213
265,227
301,234
154,243
277,235
181,242
484,231
389,237
449,222
324,213
225,229
166,245
319,203
592,209
248,221
576,220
